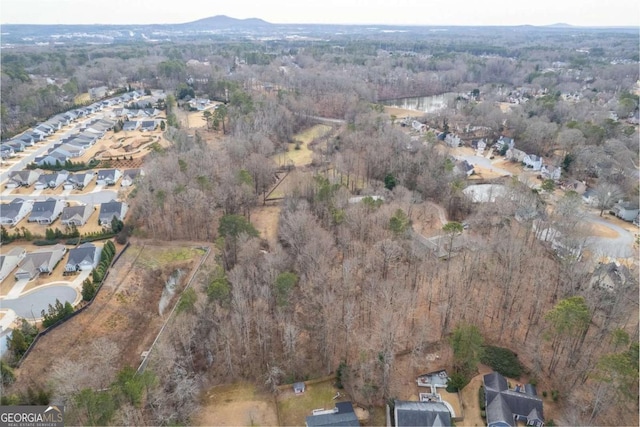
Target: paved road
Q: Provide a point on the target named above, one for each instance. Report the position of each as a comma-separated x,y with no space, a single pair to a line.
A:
30,305
617,247
94,198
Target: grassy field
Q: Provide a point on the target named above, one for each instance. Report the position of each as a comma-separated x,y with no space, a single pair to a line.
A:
303,155
82,98
239,404
154,257
295,408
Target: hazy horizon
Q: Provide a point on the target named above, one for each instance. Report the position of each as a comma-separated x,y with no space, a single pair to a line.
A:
589,13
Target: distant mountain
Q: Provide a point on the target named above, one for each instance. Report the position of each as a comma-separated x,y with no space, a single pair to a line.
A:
560,25
222,22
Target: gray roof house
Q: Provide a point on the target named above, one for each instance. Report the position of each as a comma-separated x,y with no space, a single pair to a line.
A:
46,212
429,414
84,257
10,260
108,176
76,215
43,261
148,125
505,407
11,213
51,180
342,415
532,161
112,209
23,178
627,211
79,180
130,125
129,176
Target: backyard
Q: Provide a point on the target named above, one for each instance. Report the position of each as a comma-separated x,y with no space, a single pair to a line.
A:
239,404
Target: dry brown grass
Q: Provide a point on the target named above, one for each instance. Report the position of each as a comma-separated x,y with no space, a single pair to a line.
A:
239,404
402,113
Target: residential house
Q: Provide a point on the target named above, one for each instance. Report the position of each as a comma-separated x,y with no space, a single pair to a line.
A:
515,155
84,257
199,104
464,167
47,211
17,145
342,415
108,176
52,158
10,260
28,139
507,407
110,210
98,92
612,276
129,176
532,161
627,211
503,142
44,129
151,112
408,414
13,212
551,172
51,180
79,180
23,178
479,146
37,137
72,150
131,125
148,125
42,261
76,215
452,140
7,151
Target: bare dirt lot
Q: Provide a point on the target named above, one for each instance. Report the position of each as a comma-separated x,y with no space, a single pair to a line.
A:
126,307
240,404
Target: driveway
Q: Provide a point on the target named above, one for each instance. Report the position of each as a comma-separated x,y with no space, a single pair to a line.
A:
617,247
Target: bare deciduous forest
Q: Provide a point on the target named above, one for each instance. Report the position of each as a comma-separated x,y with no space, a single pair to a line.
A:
358,283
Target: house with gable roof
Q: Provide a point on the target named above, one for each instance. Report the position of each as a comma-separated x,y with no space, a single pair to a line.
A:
84,257
51,180
13,212
42,261
76,215
108,176
429,414
10,260
507,407
47,211
342,415
110,210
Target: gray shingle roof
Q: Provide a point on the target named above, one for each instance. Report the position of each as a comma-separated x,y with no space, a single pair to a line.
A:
343,417
421,414
85,252
503,404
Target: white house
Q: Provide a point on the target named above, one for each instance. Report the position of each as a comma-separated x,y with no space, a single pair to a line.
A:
551,172
108,176
532,161
9,261
47,211
51,180
12,213
83,258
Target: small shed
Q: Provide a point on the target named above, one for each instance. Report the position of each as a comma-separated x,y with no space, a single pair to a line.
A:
298,388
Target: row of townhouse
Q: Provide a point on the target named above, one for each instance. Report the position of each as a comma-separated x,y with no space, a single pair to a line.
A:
72,181
28,265
47,211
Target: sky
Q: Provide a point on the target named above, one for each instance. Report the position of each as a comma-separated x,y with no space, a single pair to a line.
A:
390,12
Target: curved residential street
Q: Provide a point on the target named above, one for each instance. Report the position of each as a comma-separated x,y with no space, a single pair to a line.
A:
617,247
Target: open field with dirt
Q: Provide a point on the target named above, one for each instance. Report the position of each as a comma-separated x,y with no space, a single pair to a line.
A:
127,306
240,404
401,113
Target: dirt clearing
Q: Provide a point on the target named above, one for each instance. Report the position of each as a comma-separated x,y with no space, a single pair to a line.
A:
238,404
125,314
